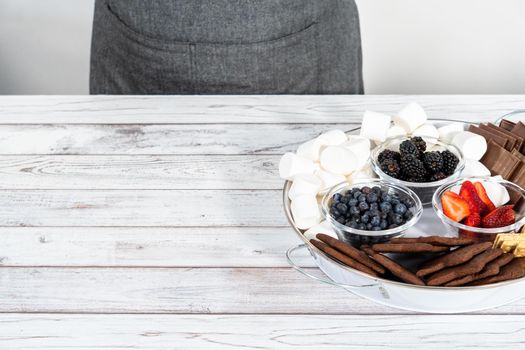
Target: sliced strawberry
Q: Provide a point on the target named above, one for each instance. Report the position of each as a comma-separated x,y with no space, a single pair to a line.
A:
454,207
468,193
483,196
473,220
502,216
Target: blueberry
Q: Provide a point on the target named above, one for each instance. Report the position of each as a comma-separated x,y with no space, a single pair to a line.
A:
353,224
365,218
376,228
337,197
369,226
343,208
383,225
397,219
374,212
340,220
352,202
361,226
386,197
334,212
354,210
344,199
376,189
371,197
383,216
366,190
386,207
376,221
392,226
357,194
348,223
400,209
408,215
363,206
362,198
374,206
394,201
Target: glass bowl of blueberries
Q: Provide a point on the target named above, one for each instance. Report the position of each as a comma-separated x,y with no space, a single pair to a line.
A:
422,166
370,211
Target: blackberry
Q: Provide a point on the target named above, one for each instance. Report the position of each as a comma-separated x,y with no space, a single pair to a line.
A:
388,154
433,161
413,170
450,162
408,147
438,176
421,145
391,168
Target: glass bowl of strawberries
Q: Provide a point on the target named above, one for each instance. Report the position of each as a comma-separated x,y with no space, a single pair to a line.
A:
480,207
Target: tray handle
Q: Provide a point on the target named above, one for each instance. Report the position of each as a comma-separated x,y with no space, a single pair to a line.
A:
289,257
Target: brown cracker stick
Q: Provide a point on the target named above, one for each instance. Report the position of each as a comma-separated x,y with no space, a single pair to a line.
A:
511,271
408,248
475,265
491,269
434,240
342,258
393,267
352,252
458,256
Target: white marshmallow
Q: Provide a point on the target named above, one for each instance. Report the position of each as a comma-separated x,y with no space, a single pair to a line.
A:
329,179
428,132
365,173
497,193
291,165
305,211
332,138
474,168
410,117
447,132
310,149
395,131
360,147
304,184
338,160
322,227
472,146
375,126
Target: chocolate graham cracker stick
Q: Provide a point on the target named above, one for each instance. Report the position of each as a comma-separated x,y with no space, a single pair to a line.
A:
511,271
342,258
474,265
352,252
393,267
408,248
435,240
458,256
491,269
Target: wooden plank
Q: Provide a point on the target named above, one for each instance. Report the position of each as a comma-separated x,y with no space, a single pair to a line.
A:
140,171
23,331
141,208
152,247
243,109
158,139
182,290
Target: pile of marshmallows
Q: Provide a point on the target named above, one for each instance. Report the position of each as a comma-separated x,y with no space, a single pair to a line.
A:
334,157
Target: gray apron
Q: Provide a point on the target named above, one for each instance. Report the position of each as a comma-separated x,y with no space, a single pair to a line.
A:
226,47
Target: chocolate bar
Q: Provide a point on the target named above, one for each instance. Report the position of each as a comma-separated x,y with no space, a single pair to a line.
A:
519,130
500,161
489,135
507,124
516,140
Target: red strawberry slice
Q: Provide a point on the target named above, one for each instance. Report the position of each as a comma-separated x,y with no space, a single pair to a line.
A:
468,192
454,207
503,216
482,193
473,220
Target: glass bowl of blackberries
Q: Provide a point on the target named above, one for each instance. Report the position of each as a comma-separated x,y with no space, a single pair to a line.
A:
419,164
370,211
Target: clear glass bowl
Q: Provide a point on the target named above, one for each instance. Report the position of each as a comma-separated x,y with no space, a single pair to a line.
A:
517,197
358,237
514,116
424,190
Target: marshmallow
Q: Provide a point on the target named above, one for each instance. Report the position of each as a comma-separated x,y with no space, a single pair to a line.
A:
365,173
360,147
447,132
497,193
474,168
332,138
310,149
304,184
472,146
322,227
291,165
428,132
375,126
395,131
338,160
410,117
305,211
329,179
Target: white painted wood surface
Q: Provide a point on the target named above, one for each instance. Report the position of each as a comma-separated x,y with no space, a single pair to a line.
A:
144,222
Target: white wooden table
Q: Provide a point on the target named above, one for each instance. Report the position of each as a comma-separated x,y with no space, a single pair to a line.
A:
156,223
